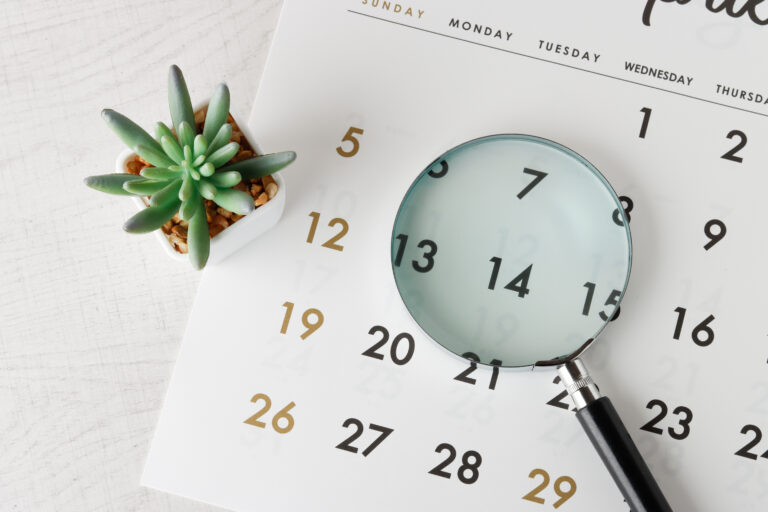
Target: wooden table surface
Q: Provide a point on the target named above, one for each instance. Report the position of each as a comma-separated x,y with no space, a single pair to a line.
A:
91,318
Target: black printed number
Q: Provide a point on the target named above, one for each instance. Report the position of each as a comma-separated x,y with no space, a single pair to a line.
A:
744,451
442,172
468,472
684,422
627,204
394,352
731,155
346,444
557,400
428,257
702,334
537,177
646,117
474,359
714,237
519,284
612,300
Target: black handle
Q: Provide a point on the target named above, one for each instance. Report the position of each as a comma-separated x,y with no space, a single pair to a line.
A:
610,438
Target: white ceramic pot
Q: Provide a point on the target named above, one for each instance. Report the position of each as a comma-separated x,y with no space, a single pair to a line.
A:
236,235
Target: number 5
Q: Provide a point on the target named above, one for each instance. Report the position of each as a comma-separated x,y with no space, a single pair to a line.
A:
350,136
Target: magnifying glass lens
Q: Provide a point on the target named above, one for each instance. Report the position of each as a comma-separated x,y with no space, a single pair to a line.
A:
512,249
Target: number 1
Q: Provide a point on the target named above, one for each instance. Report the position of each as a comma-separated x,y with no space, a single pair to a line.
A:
646,117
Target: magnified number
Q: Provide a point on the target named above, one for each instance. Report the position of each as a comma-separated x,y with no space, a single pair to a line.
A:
428,257
612,300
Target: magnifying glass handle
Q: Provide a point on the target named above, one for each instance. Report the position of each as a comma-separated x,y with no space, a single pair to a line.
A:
610,438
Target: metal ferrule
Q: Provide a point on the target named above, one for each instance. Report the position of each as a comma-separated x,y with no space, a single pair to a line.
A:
578,383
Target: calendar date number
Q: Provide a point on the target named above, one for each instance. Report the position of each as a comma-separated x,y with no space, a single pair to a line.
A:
469,470
354,142
347,445
684,418
331,243
282,421
563,493
395,352
312,319
746,450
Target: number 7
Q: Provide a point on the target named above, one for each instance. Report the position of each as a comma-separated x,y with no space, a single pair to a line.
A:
539,175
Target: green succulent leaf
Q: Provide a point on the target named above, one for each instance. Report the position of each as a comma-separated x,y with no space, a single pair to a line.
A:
198,161
235,201
198,241
111,183
172,148
169,193
226,179
200,146
208,190
150,219
224,154
129,132
153,156
160,173
190,206
221,138
144,188
218,109
178,100
260,166
207,169
186,134
187,153
187,187
161,130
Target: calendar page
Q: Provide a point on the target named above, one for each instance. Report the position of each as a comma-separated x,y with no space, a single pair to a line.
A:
304,384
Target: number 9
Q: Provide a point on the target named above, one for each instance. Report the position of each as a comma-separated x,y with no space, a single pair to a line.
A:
564,495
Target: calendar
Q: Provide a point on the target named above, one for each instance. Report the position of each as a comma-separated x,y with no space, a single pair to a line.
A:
303,383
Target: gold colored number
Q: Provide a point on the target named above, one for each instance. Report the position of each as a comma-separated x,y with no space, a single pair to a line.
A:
350,136
305,319
532,496
563,494
254,420
331,242
282,414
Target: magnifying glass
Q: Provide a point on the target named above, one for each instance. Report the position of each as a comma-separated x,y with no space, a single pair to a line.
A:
514,251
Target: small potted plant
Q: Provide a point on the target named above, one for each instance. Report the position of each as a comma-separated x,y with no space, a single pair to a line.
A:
201,184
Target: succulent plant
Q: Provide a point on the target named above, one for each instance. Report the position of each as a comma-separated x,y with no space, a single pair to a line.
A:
188,167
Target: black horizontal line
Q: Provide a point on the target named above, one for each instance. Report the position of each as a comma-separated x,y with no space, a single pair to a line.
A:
519,54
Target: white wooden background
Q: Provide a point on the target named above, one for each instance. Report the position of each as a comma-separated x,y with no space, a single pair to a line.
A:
91,318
